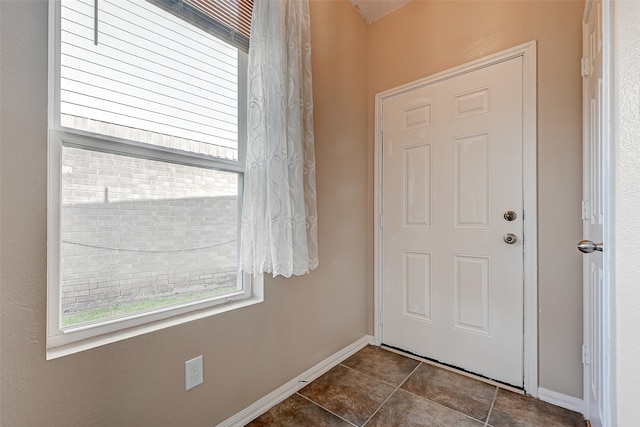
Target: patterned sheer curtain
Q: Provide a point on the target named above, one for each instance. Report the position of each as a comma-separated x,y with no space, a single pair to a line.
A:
279,214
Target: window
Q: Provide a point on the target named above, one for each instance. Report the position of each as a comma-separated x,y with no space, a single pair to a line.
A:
145,167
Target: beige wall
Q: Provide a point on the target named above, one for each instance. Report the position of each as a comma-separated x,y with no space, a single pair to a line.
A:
426,37
247,353
625,75
250,352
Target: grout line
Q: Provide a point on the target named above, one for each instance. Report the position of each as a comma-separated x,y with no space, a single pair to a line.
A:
396,388
389,397
457,371
442,405
329,411
493,402
370,376
411,373
394,392
380,407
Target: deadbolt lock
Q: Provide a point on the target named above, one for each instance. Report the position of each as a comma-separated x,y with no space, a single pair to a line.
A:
510,238
510,215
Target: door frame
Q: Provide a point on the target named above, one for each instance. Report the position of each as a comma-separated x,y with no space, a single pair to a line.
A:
622,226
527,52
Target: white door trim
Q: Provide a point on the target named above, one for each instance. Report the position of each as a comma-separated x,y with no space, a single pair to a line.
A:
528,53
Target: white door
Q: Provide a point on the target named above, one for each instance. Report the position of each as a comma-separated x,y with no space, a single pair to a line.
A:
593,215
452,254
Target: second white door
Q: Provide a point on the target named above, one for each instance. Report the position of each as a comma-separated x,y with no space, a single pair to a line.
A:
452,252
595,290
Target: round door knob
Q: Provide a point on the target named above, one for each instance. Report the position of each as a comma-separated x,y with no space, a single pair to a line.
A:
510,238
510,216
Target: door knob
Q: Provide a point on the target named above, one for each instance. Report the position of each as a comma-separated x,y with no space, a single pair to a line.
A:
510,238
510,216
587,246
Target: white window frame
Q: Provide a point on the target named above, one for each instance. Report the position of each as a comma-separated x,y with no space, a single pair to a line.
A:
63,341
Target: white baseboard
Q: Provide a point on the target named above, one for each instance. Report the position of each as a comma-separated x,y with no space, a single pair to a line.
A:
263,405
562,400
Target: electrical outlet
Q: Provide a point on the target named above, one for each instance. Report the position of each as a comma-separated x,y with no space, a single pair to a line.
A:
193,373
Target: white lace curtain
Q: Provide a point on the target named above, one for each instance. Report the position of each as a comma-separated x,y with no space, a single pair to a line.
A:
279,214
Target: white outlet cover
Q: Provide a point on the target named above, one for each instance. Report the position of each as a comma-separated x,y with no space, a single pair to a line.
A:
193,374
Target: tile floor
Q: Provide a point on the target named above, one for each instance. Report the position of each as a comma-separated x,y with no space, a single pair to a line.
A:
377,387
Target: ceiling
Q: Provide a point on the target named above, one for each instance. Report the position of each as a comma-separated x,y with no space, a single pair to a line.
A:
370,10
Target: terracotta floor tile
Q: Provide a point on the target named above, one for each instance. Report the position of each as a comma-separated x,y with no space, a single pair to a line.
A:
455,391
296,411
348,393
515,410
382,364
408,410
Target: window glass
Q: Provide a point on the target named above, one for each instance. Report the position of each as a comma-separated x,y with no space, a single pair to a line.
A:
147,75
140,234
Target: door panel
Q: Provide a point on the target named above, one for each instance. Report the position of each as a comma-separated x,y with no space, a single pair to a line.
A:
416,188
471,293
452,166
417,285
471,181
594,296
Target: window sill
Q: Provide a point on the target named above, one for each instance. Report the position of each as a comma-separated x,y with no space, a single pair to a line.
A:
54,352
